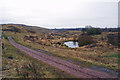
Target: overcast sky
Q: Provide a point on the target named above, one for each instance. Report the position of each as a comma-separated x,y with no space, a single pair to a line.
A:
60,13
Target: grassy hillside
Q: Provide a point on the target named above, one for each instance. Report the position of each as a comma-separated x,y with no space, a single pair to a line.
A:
97,54
17,64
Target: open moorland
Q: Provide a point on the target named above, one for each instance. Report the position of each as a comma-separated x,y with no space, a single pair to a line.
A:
97,51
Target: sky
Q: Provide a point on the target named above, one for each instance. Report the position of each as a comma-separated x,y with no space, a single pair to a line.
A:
60,13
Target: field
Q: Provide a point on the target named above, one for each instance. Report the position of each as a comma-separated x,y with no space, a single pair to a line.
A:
18,64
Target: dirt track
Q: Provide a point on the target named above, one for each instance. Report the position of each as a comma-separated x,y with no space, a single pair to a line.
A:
66,66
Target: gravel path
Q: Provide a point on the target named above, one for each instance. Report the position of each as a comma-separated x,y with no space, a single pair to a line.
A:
66,66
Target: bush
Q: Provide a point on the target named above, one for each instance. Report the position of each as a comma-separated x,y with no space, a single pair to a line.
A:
59,43
91,30
15,29
113,39
84,40
5,37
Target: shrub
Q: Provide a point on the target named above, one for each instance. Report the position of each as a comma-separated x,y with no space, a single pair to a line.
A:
84,40
113,39
15,29
59,43
91,30
5,37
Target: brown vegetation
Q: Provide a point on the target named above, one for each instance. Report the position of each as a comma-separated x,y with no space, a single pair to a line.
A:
84,40
113,39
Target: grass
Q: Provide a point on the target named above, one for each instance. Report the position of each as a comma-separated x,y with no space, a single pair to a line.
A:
84,55
17,64
112,55
87,57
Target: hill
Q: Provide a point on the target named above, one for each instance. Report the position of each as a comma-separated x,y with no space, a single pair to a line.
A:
98,54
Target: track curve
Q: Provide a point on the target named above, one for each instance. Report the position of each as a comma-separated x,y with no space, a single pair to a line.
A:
66,66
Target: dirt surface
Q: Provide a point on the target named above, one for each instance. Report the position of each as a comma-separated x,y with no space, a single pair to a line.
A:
66,66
